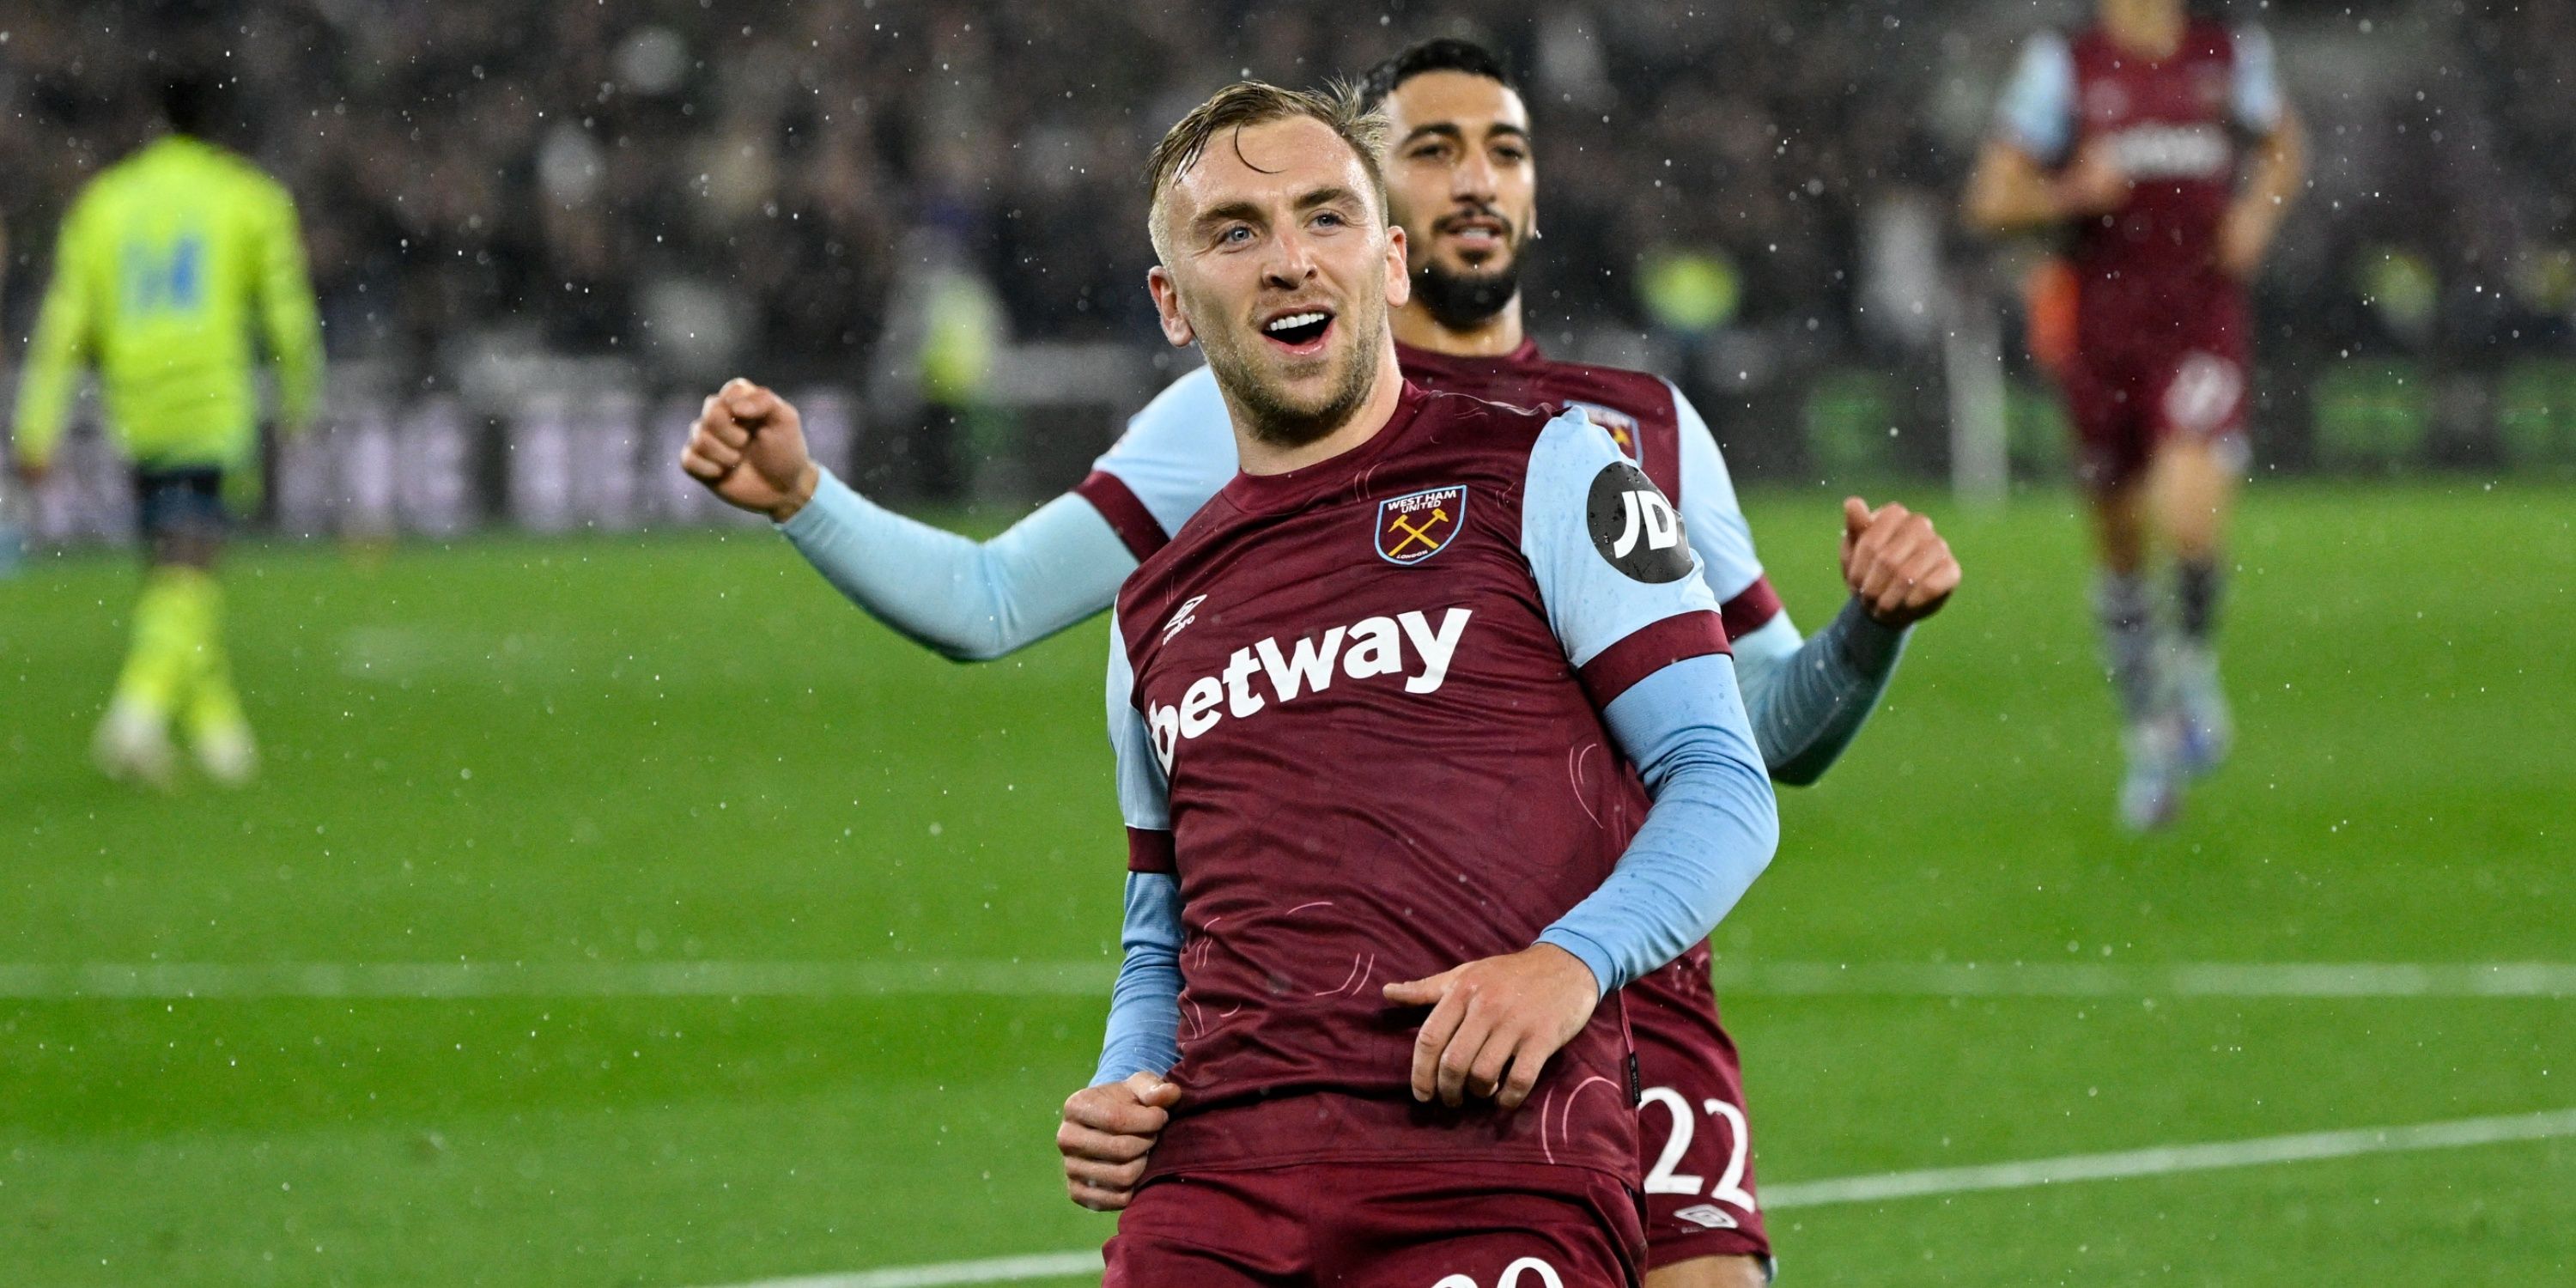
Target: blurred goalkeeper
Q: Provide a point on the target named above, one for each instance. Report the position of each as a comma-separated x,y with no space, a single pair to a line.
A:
166,264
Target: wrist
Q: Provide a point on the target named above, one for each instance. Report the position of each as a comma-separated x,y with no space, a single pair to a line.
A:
799,494
1580,959
1867,644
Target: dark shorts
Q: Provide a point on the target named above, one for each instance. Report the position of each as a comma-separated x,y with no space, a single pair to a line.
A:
2135,381
186,501
1695,1149
1379,1225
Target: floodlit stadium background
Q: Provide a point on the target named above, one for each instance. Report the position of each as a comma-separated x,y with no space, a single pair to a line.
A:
622,908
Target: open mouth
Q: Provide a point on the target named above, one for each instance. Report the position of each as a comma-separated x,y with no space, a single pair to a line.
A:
1475,233
1299,332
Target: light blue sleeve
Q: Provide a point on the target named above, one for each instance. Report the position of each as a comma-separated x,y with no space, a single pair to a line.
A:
1712,830
975,601
1640,570
1710,513
1608,568
967,600
1144,1033
1808,697
1145,1004
1177,452
2037,114
2254,93
1144,794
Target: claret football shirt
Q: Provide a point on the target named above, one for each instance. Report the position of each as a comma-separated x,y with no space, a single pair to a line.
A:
1358,714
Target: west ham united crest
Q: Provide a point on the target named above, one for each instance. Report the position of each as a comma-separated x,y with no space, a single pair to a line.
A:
1415,527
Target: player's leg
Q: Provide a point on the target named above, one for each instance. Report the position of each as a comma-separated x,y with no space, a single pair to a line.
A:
1695,1143
2199,458
1452,1226
2112,459
210,711
2133,655
134,739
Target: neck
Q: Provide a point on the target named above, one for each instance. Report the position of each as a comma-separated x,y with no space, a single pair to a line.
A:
2154,31
1492,338
1260,457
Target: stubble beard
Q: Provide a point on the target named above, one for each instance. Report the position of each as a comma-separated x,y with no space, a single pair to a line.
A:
1278,421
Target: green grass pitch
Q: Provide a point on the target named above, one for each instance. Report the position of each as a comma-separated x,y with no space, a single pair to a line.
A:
668,749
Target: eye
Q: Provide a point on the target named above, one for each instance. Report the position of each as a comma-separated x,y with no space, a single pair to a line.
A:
1430,151
1330,219
1234,236
1513,155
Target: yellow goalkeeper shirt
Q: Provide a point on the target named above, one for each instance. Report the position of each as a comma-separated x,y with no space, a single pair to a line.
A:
165,264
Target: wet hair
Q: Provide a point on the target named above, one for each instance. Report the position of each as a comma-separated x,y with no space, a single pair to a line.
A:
1439,54
1248,103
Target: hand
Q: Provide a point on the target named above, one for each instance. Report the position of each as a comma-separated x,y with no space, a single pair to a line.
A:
2244,236
1896,565
748,447
1108,1132
1513,1011
2095,184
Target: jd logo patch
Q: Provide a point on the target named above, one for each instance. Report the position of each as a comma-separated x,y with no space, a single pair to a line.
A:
1415,527
1634,527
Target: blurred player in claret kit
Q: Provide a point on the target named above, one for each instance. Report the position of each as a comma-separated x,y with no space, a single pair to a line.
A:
2130,139
168,263
1462,178
1428,742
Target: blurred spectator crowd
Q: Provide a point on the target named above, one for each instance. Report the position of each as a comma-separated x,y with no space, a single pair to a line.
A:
752,180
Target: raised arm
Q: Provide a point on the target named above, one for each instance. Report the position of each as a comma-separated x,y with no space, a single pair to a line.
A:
970,600
1808,696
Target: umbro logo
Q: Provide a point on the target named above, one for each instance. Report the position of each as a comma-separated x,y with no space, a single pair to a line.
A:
1708,1216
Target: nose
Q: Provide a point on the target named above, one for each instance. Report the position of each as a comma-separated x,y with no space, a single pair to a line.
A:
1472,180
1291,263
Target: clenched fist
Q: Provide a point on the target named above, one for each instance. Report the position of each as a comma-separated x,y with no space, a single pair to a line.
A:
1896,565
748,447
1108,1132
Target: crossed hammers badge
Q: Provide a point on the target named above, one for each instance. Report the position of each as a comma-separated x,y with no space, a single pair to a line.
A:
1416,526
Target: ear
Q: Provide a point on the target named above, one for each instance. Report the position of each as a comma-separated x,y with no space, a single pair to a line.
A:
1167,307
1399,283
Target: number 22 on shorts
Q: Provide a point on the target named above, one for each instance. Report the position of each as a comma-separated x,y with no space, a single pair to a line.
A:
1664,1180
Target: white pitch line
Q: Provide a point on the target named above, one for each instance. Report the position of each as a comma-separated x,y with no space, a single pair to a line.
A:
2169,1159
1884,1187
2176,979
33,981
997,1270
